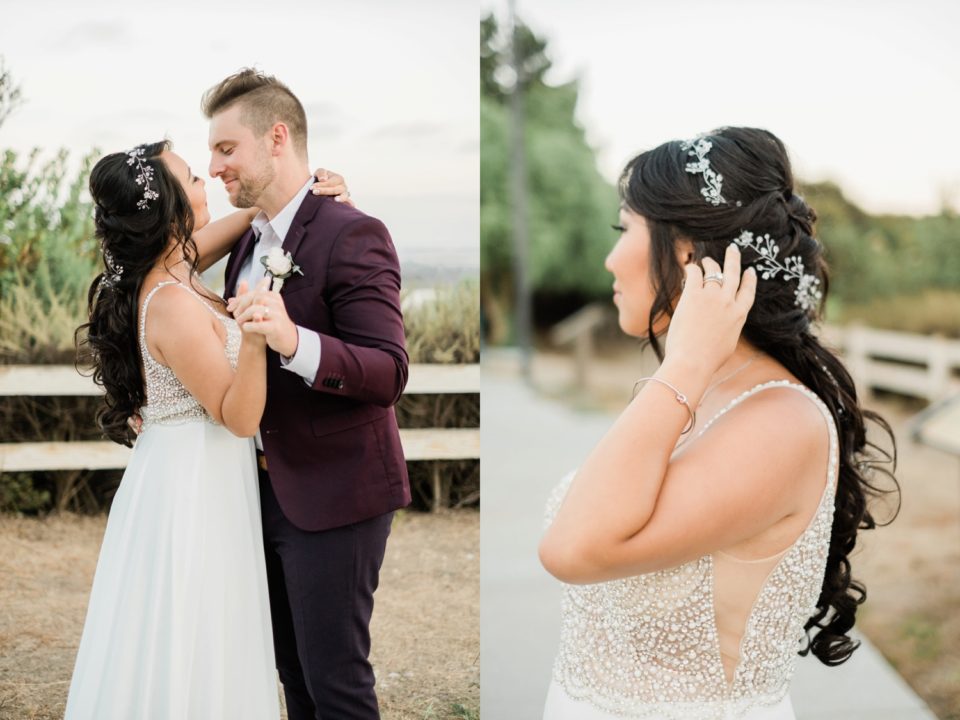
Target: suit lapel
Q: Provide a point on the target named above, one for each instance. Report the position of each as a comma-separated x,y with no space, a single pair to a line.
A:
298,228
240,253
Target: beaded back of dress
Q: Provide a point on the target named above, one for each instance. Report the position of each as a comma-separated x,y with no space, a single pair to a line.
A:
710,639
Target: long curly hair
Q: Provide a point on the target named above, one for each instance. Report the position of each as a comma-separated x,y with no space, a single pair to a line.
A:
132,239
760,196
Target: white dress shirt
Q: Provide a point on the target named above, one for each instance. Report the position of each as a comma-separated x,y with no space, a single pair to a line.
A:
306,359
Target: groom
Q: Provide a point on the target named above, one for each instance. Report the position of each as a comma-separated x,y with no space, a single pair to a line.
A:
332,469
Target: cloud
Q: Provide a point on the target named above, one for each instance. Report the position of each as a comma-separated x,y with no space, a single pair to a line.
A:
325,120
324,130
409,131
322,109
92,34
469,146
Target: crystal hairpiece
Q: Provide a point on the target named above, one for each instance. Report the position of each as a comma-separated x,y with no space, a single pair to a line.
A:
808,293
112,277
145,175
699,147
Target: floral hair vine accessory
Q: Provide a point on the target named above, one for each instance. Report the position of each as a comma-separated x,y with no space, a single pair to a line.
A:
808,293
144,176
112,277
699,147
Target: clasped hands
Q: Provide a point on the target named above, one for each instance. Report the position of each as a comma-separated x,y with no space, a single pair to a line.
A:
261,311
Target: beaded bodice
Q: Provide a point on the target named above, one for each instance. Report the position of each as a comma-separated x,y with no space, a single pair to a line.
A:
168,401
649,644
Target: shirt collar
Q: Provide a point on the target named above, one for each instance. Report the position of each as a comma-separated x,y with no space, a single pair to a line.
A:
284,219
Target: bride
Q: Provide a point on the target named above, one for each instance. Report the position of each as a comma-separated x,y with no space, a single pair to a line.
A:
178,624
705,540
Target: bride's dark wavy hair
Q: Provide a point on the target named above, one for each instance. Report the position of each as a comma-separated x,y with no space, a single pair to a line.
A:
758,187
135,239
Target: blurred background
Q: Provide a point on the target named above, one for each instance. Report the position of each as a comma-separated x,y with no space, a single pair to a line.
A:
392,100
866,99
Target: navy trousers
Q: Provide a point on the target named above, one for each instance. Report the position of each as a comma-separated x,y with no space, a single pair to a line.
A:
321,598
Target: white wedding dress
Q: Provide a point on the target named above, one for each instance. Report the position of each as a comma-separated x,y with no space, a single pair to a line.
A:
714,639
178,625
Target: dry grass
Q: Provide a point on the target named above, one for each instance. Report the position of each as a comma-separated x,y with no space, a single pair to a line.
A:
448,330
426,637
34,327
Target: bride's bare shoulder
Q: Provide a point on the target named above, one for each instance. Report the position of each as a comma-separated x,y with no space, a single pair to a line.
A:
782,413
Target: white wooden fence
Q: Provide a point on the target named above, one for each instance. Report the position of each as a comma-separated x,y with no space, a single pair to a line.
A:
38,380
916,365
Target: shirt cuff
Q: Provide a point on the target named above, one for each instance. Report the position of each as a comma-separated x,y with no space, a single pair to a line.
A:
306,360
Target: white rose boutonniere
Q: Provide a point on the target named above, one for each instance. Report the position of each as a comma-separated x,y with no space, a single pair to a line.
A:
280,265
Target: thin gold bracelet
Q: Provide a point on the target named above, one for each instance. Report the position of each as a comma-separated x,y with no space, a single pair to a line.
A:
680,397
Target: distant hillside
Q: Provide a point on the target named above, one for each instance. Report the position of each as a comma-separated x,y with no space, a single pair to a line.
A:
880,256
418,274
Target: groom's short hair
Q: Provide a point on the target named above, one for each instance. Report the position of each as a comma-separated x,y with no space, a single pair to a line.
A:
263,99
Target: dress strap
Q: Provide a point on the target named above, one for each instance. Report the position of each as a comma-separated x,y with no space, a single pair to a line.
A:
143,310
202,299
803,389
146,302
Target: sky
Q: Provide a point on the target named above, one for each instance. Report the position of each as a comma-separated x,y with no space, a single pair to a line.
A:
863,93
391,92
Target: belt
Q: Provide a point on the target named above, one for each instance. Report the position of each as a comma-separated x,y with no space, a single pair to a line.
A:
262,461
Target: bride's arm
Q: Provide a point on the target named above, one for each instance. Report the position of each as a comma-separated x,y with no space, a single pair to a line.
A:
215,239
187,342
630,509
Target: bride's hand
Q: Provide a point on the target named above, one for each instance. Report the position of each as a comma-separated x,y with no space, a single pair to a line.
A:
331,183
710,315
245,313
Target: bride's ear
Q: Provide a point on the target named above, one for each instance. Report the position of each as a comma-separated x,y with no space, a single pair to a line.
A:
685,252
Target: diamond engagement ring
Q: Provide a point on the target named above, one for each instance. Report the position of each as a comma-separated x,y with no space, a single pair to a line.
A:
714,277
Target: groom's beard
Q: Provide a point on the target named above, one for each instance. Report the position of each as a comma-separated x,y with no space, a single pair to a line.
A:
249,190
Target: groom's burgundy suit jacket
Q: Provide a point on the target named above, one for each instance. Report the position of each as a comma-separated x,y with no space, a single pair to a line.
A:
333,449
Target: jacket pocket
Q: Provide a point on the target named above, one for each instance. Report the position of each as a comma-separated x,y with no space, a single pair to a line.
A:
347,419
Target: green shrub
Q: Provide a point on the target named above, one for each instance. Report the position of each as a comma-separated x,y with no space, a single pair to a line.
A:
48,257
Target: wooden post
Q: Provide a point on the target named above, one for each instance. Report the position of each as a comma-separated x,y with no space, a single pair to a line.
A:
583,351
578,329
441,490
857,359
938,368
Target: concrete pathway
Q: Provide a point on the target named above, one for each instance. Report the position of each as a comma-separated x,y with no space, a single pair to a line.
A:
528,443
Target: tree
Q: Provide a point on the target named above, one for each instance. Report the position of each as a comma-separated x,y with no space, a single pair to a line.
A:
10,96
570,203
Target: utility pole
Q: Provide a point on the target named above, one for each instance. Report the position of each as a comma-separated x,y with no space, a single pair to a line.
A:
518,192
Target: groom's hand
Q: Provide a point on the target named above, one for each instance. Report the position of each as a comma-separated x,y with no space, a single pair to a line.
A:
263,311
